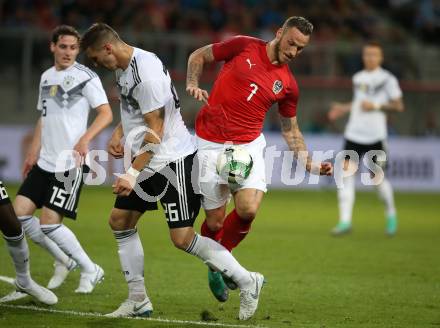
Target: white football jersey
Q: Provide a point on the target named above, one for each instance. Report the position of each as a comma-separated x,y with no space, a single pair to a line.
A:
146,86
65,99
378,86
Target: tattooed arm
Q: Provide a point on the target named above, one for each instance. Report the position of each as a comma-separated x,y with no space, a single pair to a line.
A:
196,61
295,140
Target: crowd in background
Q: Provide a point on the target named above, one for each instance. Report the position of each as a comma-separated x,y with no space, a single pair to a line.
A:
387,20
340,28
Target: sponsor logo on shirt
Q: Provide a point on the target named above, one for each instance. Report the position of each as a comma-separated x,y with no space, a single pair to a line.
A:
53,90
277,87
250,64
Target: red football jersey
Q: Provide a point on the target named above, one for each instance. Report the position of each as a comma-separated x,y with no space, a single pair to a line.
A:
246,87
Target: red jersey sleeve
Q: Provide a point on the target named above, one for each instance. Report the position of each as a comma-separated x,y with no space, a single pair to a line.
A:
227,49
287,106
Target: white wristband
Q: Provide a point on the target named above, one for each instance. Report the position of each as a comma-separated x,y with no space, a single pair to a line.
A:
133,172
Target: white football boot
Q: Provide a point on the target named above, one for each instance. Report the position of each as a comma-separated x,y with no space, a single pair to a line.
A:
13,296
88,281
60,273
249,296
130,308
39,292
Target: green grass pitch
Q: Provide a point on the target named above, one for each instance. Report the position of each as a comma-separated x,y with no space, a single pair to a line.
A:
314,280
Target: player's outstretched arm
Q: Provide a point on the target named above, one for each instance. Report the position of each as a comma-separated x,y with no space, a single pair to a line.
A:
338,110
102,120
295,140
154,121
395,105
196,61
34,151
114,146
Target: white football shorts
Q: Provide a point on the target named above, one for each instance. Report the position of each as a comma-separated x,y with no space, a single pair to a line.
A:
214,190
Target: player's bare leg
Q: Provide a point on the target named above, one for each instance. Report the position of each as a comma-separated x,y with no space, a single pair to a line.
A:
213,224
219,259
131,256
52,226
233,228
24,207
238,223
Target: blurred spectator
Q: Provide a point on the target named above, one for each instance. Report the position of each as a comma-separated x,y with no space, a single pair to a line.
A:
345,19
428,20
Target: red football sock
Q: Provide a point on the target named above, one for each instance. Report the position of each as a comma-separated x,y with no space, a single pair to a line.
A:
206,232
235,230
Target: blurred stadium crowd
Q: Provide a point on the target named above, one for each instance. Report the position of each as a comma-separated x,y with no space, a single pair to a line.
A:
386,20
408,29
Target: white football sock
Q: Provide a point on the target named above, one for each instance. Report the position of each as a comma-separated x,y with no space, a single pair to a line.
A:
68,242
219,259
386,194
131,256
346,196
18,248
31,226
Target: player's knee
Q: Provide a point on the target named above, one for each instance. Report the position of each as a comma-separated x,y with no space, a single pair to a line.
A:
116,223
181,242
215,218
215,224
247,211
20,211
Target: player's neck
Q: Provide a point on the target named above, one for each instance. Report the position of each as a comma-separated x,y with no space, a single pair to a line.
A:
372,69
59,67
124,54
271,53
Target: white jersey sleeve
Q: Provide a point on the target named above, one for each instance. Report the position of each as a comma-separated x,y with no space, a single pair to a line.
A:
392,88
94,93
152,94
39,102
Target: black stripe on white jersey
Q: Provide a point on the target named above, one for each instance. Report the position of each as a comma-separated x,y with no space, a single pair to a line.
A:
86,70
135,71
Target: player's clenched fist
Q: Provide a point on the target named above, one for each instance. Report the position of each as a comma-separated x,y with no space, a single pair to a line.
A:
326,169
197,93
115,148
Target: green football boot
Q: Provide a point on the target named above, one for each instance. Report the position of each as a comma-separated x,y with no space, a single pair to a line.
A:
391,225
342,228
217,286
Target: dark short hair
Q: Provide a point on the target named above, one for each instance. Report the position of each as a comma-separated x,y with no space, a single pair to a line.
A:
302,24
64,30
373,43
98,34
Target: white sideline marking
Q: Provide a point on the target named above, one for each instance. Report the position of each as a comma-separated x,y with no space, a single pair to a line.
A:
7,280
99,315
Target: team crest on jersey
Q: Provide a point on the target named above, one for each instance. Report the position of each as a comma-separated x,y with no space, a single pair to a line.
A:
363,87
68,81
277,87
53,90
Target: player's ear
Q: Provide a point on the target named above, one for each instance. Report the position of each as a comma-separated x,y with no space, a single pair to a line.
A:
52,47
279,33
108,48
